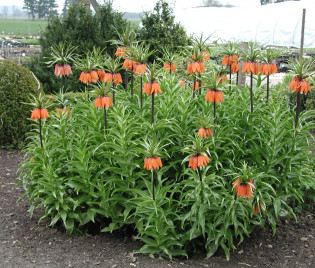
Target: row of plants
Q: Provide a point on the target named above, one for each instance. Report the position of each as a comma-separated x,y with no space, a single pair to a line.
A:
186,171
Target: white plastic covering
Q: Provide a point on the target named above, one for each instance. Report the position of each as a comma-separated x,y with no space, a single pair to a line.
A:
273,24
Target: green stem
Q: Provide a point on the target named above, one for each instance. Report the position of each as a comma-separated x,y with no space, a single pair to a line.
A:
298,108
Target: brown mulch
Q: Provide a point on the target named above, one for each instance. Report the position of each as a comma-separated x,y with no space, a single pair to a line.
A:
25,243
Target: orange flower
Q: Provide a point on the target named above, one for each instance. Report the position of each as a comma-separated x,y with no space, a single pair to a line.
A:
206,55
235,67
182,83
140,68
121,52
229,60
101,74
85,78
128,64
102,102
301,86
39,114
268,68
152,88
113,78
65,112
94,76
214,96
243,189
198,160
204,132
196,87
221,78
195,67
256,207
168,66
62,70
250,67
151,163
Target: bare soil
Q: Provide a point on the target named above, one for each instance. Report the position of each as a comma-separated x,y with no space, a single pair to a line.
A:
25,243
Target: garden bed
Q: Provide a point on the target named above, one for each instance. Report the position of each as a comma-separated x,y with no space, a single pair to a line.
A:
25,243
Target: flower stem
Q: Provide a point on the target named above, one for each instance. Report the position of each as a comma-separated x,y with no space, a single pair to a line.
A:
126,80
214,116
40,133
105,120
194,86
152,110
132,83
251,93
113,93
199,173
267,87
230,77
170,68
298,108
199,84
153,184
141,91
63,84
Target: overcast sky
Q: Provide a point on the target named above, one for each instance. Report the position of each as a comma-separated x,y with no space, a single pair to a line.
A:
122,5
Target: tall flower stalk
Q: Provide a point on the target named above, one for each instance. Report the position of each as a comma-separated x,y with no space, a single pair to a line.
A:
169,60
268,66
103,100
112,75
61,57
251,66
301,69
39,113
244,185
152,87
230,58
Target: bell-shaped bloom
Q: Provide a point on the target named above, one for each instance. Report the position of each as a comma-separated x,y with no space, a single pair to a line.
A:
257,207
152,88
38,114
268,68
121,52
250,67
300,85
85,78
128,64
196,85
102,102
214,96
63,111
198,160
62,70
168,66
206,55
94,76
235,67
113,78
140,68
101,74
195,67
151,163
243,189
204,132
229,60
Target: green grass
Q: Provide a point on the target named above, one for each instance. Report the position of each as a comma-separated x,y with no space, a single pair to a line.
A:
21,26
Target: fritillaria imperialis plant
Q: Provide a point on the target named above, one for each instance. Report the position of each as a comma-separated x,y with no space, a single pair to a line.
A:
230,58
251,66
169,59
112,75
61,57
301,69
243,185
40,112
103,100
268,66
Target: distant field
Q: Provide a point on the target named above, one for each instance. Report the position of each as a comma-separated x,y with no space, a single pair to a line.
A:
21,26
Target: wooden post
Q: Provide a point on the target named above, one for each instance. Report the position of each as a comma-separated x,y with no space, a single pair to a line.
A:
302,33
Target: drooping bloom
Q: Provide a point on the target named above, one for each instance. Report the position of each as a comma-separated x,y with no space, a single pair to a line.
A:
300,85
101,74
168,66
85,78
151,163
195,67
257,207
62,70
235,67
243,189
140,68
251,67
206,55
182,83
196,84
113,78
94,76
204,132
198,160
268,68
128,64
152,88
102,102
39,114
121,52
214,96
229,60
63,111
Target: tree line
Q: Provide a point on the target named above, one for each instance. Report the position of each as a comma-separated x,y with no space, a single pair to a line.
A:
40,8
